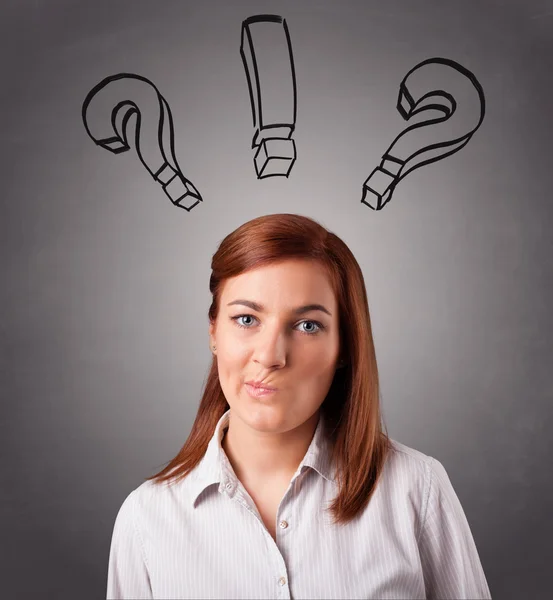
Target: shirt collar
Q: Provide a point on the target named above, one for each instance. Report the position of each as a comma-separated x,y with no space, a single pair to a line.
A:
215,468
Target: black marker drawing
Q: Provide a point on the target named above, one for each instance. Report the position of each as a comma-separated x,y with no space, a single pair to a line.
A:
427,140
266,52
106,111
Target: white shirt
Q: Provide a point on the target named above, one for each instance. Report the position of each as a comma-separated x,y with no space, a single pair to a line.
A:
204,538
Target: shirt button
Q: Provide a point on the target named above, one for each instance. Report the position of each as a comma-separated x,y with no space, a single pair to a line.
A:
283,524
282,581
229,486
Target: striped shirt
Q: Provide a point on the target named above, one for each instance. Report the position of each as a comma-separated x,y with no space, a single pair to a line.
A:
204,538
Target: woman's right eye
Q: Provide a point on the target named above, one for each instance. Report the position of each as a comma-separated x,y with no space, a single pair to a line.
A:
235,319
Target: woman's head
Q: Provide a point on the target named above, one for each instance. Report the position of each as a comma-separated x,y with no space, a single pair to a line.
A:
285,261
277,325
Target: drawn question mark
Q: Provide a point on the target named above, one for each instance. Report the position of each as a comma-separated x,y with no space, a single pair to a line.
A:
106,111
266,53
430,139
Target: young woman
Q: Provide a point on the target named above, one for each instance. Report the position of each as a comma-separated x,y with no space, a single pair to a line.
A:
288,485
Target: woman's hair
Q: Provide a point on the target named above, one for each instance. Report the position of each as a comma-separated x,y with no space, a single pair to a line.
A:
351,408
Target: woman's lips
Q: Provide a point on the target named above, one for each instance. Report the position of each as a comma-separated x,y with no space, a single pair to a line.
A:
259,384
257,392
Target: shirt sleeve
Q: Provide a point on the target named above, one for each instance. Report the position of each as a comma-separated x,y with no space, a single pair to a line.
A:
128,575
450,560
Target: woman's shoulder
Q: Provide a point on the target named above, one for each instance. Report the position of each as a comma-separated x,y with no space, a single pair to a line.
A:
155,493
412,472
150,493
151,505
408,455
408,467
142,494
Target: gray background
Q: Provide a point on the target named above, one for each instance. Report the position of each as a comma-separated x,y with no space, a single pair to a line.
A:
104,293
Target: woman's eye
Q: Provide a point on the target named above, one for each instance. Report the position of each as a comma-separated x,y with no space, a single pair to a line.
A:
241,317
318,326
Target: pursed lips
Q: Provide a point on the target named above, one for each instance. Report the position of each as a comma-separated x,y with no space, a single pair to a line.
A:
261,387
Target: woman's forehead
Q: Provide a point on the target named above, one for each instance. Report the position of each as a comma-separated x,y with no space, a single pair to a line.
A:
293,285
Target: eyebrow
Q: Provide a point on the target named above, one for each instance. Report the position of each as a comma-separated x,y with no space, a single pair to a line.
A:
298,311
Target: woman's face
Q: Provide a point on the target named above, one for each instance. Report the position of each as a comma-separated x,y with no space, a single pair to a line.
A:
294,352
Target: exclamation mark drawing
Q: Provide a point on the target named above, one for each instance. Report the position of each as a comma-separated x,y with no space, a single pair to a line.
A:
266,52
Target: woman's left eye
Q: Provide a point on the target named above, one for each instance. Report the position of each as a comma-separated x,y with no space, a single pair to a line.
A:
319,326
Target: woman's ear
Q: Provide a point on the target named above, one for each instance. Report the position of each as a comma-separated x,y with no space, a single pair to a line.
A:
211,335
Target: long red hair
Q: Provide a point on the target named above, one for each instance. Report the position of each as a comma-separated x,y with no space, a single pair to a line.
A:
351,408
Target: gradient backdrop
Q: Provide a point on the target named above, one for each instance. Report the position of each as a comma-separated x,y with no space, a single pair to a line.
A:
104,284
